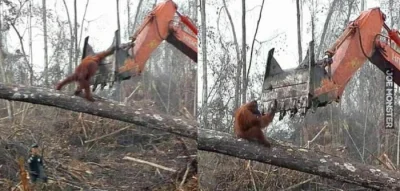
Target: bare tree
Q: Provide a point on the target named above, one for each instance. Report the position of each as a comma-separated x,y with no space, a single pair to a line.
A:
46,62
362,5
195,99
2,69
136,15
30,32
76,33
244,51
12,20
239,64
71,48
351,2
28,64
128,6
118,85
204,54
299,31
325,29
254,40
83,20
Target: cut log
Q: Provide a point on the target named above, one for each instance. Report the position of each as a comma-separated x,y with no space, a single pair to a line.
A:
102,108
300,159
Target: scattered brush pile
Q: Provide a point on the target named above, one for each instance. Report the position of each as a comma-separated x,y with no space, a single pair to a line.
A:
87,152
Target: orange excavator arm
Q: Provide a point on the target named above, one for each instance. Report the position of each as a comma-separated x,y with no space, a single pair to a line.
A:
317,83
159,25
394,35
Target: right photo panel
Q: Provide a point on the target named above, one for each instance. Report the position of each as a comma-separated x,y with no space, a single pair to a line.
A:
298,95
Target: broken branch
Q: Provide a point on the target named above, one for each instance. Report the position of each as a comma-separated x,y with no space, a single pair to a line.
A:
107,135
149,163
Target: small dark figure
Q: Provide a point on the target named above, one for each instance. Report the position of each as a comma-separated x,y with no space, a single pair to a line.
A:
35,161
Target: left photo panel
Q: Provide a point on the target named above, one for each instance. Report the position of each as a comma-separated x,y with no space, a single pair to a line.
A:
98,95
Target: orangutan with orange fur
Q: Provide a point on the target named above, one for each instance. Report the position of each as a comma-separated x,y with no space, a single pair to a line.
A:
86,70
249,122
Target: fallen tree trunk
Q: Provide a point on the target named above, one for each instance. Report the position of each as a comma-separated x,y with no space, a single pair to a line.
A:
299,159
108,109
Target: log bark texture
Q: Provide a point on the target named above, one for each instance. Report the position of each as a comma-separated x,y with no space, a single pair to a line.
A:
299,159
102,108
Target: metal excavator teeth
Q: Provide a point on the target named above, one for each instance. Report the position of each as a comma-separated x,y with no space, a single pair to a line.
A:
107,73
291,89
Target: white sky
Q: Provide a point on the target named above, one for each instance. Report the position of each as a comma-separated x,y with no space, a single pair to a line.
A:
277,17
103,17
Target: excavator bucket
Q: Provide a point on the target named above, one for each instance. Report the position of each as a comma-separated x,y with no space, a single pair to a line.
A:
101,75
107,72
292,88
87,49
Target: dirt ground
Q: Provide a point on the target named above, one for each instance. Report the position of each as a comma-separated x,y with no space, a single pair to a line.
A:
72,164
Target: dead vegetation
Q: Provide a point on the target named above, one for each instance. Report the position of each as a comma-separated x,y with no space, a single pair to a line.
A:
220,172
89,152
